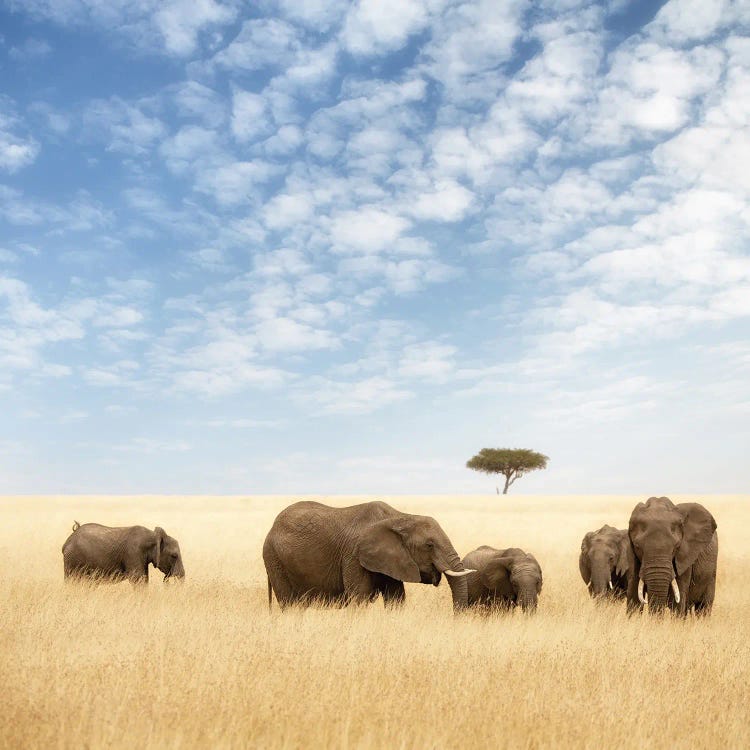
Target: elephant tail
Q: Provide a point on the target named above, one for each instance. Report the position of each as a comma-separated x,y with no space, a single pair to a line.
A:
76,525
270,593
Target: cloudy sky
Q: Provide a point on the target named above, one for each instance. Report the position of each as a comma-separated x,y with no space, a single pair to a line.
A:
339,247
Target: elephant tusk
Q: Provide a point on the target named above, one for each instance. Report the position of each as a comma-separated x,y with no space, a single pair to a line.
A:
588,585
459,573
610,584
676,590
641,598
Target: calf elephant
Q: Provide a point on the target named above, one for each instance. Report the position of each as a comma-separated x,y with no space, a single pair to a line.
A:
604,562
116,553
354,554
675,550
503,578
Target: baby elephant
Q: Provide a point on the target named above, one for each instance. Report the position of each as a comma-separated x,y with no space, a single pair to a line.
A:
117,553
605,562
504,578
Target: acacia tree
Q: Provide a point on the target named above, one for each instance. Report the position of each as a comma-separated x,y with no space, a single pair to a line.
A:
512,463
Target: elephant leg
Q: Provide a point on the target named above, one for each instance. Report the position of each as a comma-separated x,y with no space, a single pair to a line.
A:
359,586
285,594
704,605
393,592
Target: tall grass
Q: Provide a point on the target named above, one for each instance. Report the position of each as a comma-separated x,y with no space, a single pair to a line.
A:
207,665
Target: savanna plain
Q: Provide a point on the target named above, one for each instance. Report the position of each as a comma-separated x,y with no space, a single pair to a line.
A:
205,664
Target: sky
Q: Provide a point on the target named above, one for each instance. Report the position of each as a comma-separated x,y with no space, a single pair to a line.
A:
337,248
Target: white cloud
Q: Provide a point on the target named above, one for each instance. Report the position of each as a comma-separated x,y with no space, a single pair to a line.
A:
16,151
368,230
377,26
685,21
427,361
319,15
353,397
261,43
235,183
287,335
125,127
180,22
447,201
250,119
287,209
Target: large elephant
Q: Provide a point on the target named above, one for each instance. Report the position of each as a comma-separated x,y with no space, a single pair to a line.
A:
125,552
675,549
604,562
342,555
504,578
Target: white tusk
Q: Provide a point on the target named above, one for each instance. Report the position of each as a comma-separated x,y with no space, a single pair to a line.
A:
588,585
610,584
676,590
459,573
641,598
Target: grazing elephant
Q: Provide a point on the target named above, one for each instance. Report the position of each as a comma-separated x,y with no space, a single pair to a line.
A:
340,555
604,562
675,548
95,551
503,578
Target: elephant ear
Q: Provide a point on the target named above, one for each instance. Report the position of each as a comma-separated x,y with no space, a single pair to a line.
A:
381,549
583,558
160,534
496,574
622,564
698,529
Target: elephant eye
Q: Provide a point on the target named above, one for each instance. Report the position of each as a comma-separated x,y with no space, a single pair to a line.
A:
430,544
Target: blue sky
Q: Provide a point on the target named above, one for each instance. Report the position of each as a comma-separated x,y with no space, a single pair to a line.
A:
339,247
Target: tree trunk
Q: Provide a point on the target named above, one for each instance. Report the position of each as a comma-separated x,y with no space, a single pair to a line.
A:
507,484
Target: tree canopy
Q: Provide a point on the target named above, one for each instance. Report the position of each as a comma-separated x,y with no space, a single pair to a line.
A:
512,463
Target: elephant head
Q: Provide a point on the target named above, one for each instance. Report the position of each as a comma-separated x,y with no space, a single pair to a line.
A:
514,575
413,549
166,555
666,540
605,555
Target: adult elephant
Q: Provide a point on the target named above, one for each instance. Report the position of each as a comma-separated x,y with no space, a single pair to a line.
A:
604,562
124,552
354,554
504,578
675,549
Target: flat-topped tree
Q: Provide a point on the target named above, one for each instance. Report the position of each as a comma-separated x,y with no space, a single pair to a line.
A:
512,463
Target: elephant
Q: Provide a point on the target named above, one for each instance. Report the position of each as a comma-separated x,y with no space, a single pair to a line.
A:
118,553
504,578
336,556
674,556
604,562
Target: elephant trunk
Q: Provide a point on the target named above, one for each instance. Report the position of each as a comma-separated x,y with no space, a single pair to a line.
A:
527,599
458,583
600,579
658,577
177,571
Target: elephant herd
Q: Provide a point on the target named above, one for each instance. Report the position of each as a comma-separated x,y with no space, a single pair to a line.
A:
315,553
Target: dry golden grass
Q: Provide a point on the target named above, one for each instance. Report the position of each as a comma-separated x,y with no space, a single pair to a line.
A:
206,665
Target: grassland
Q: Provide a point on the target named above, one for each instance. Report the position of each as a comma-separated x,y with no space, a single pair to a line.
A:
207,665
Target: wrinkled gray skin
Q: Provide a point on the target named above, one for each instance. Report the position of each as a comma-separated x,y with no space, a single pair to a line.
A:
668,542
504,578
339,555
117,553
604,562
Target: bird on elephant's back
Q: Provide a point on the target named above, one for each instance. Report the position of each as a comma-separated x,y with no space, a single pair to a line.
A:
674,557
315,552
503,579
